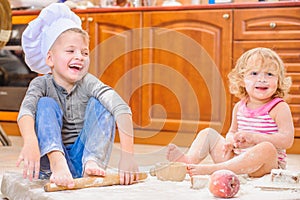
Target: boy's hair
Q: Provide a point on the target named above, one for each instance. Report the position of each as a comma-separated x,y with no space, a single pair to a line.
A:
269,59
80,31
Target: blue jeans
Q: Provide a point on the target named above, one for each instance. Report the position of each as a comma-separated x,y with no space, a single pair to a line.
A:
94,142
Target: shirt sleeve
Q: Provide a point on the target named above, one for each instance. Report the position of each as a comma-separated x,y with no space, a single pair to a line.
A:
36,89
109,98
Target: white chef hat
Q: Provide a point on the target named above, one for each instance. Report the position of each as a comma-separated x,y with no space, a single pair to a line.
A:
42,32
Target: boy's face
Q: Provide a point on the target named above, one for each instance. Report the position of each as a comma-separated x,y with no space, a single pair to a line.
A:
69,58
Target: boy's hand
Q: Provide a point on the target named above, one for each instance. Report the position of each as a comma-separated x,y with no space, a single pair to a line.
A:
30,156
128,169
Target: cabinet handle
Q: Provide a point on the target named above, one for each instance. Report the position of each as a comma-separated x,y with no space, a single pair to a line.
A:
90,19
82,19
272,25
226,16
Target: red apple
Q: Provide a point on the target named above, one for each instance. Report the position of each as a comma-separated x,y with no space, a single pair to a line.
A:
224,184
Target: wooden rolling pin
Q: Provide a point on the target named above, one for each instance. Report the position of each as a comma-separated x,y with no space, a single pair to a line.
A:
108,180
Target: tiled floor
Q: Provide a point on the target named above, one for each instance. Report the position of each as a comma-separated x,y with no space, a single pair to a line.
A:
147,156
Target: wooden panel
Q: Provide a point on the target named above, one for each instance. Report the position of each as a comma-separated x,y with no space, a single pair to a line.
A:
268,23
8,116
116,54
295,149
164,137
10,128
188,60
22,19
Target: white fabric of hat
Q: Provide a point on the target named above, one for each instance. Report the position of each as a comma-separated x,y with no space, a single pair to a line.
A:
42,32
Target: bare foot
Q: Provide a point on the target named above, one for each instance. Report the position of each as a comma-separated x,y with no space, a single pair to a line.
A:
61,174
91,168
198,169
174,154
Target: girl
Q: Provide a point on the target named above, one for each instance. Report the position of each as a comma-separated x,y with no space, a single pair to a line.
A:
261,129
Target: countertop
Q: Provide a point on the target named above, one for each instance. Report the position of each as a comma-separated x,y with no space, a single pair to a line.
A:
168,8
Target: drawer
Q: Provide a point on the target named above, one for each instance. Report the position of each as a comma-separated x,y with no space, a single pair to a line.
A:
23,19
288,50
8,116
267,23
10,128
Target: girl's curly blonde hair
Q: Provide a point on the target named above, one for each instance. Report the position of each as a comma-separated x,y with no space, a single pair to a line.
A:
269,59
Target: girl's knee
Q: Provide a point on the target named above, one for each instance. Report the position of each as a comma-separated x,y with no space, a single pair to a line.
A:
210,136
210,132
267,147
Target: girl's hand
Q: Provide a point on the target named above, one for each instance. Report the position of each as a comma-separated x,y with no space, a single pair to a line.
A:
244,139
30,156
227,149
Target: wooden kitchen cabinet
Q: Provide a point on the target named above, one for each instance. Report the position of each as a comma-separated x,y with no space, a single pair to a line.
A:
171,65
116,46
186,58
278,29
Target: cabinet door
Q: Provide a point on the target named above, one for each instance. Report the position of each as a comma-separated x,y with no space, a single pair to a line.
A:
115,43
84,20
186,59
289,53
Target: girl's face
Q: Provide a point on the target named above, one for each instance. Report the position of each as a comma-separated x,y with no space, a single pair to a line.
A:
260,82
69,58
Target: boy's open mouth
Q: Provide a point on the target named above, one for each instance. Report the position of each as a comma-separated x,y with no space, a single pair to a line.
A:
76,67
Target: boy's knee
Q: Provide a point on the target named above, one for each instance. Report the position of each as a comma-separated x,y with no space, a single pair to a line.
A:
95,104
93,100
46,105
46,101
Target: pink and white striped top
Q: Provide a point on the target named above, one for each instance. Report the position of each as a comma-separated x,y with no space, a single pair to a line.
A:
259,121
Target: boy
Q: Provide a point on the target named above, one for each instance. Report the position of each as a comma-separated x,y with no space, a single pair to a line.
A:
67,118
